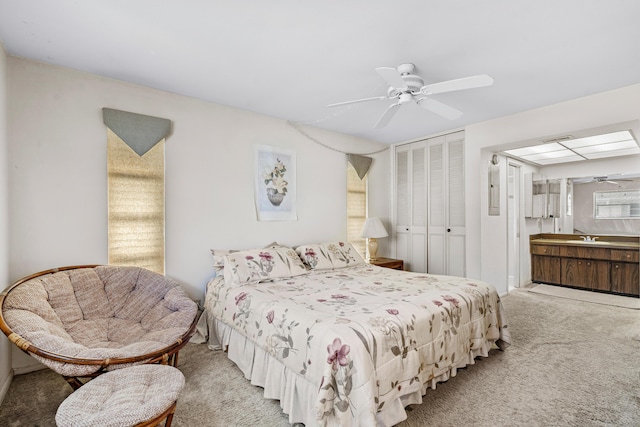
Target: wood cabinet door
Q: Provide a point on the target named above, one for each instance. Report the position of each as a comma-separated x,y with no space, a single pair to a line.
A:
586,274
625,278
545,269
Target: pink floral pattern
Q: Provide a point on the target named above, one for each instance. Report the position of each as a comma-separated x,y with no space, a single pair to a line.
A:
329,256
336,330
337,354
260,265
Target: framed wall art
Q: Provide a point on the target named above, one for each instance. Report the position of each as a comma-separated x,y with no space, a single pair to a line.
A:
275,183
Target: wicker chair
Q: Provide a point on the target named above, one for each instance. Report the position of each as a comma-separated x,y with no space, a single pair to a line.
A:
81,321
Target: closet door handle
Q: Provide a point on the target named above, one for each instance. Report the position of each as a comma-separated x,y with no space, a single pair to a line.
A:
448,230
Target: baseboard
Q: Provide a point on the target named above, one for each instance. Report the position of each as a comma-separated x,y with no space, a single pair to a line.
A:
5,387
18,371
28,368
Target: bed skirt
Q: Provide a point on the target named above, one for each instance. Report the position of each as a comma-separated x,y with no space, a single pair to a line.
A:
297,395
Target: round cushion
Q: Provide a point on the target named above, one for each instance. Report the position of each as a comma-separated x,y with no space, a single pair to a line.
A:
123,397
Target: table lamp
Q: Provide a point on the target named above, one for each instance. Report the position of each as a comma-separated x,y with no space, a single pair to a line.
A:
372,230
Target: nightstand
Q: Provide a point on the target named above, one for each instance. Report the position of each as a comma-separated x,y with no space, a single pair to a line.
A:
396,264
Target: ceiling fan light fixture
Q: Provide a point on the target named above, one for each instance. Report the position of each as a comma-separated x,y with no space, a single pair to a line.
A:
414,83
405,97
404,86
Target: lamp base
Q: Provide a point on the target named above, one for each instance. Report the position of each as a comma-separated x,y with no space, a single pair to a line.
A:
373,248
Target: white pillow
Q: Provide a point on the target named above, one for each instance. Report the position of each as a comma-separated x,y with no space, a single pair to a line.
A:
219,254
218,259
328,256
343,254
260,265
315,256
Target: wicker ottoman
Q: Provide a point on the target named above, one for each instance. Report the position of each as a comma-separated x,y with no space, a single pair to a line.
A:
141,395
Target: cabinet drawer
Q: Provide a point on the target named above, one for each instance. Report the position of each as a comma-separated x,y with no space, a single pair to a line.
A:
625,255
396,264
544,250
584,252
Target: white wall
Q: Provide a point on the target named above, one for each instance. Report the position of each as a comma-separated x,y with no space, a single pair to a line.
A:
5,345
486,236
58,180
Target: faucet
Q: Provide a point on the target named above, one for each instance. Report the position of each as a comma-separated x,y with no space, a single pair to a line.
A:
589,238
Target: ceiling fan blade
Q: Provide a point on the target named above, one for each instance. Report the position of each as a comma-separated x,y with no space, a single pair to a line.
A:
392,77
387,115
471,82
375,98
439,108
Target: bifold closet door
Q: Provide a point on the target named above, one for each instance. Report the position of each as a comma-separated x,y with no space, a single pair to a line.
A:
446,219
411,201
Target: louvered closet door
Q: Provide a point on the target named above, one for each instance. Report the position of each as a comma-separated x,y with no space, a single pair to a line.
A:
411,206
446,224
455,206
437,224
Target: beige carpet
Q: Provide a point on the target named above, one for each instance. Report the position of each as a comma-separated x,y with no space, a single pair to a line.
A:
572,363
588,296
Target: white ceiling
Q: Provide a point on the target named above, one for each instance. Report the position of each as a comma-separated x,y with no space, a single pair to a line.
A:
291,58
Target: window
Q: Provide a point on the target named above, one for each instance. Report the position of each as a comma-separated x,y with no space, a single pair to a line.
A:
136,205
622,204
135,179
356,209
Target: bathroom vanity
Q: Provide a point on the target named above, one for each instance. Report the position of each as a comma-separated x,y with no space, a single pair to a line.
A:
598,263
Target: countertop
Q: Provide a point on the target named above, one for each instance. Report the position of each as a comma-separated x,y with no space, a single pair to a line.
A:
613,242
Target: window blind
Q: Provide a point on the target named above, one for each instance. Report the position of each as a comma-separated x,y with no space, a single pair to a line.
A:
356,209
136,204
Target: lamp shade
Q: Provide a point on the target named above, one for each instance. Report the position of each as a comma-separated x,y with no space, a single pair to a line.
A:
373,228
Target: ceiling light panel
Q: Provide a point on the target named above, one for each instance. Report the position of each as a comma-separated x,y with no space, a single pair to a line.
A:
599,139
613,144
535,149
602,155
550,155
544,162
601,148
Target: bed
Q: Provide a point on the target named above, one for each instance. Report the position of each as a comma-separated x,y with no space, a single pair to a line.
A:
340,342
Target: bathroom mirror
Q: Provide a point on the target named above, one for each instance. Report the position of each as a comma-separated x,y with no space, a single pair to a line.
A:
606,204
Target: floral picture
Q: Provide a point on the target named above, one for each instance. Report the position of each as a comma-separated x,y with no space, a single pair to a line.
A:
275,179
276,183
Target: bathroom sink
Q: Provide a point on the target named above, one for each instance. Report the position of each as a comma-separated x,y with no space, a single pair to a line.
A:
589,242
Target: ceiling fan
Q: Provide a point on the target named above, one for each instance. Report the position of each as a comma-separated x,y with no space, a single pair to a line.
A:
406,87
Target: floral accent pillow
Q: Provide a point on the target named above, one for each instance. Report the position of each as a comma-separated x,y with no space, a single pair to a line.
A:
329,255
218,259
261,265
315,257
219,254
343,254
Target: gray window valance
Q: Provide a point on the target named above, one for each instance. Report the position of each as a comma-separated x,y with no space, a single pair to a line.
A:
360,163
138,131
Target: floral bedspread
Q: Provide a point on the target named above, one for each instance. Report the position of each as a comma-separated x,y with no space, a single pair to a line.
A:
365,336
